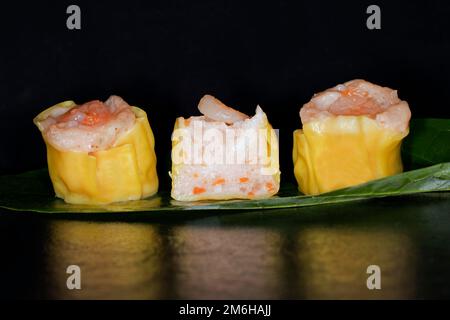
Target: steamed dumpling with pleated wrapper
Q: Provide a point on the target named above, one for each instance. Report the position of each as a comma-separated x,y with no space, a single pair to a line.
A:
99,152
351,134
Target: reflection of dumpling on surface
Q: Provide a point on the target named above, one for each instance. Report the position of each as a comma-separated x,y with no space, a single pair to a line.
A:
216,263
117,260
333,264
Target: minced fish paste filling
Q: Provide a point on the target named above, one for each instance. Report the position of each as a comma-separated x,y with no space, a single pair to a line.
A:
90,127
359,98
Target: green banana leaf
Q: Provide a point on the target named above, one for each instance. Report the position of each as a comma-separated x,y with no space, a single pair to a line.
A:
427,145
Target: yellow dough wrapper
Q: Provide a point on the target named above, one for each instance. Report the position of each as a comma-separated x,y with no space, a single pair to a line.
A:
351,134
95,161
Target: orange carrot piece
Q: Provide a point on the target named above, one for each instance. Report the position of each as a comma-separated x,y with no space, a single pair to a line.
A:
198,190
269,186
218,181
243,179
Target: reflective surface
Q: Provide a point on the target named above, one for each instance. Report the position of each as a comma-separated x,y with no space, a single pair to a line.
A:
307,253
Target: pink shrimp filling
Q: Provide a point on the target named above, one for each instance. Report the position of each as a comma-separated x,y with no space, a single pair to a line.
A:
359,98
92,126
89,114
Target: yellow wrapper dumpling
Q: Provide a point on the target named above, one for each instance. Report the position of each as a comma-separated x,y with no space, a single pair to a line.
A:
351,134
99,153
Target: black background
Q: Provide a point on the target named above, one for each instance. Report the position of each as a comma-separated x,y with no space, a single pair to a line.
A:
164,55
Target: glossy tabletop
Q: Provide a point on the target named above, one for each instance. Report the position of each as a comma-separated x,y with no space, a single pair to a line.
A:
318,252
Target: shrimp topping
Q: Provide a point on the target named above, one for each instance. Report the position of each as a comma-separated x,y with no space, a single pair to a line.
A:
89,114
214,109
359,98
90,127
